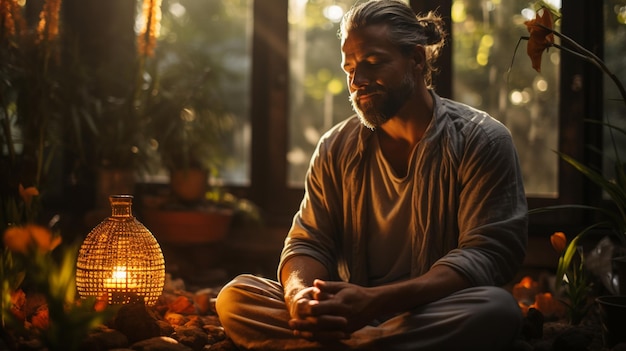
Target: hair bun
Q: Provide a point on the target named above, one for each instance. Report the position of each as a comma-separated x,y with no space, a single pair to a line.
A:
433,28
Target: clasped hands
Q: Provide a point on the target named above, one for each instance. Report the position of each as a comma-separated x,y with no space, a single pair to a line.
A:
330,311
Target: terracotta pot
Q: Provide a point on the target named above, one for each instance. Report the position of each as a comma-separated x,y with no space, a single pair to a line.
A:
189,185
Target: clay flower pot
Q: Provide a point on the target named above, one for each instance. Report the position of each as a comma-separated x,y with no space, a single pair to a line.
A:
189,185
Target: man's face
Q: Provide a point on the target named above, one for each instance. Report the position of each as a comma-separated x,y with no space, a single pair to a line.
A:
380,77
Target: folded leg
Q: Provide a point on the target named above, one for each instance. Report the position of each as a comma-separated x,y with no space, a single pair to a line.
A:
253,313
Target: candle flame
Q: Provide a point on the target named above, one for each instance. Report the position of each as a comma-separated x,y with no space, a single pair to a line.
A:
119,273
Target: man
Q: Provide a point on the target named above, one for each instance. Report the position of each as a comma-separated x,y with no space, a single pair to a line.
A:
414,212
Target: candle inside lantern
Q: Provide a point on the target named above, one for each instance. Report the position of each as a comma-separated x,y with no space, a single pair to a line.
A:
120,287
120,260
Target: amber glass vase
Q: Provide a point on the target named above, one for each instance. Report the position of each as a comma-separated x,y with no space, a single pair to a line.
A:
120,260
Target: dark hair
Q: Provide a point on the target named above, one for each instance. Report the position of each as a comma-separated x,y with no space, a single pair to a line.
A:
406,29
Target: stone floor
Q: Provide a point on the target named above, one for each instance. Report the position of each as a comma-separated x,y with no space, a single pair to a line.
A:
185,316
198,271
211,265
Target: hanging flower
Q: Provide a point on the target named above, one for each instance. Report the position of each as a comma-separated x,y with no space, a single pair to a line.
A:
541,36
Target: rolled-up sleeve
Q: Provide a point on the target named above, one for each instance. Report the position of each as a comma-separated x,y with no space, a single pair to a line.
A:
315,227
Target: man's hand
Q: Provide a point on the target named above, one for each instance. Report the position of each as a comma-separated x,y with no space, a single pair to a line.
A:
311,322
330,310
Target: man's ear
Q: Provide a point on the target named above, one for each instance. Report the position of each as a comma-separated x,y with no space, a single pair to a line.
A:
418,55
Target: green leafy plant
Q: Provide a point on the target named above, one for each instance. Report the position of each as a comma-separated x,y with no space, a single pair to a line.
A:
33,263
185,118
575,283
29,105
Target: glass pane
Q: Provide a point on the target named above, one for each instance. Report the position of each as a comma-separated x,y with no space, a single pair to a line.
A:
318,92
485,35
614,53
204,56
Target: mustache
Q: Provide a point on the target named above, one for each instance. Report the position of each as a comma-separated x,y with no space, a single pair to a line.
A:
358,93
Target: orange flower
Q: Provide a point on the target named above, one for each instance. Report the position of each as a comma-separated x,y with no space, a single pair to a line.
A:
546,304
540,37
27,194
18,301
11,18
40,318
48,27
558,241
22,238
146,41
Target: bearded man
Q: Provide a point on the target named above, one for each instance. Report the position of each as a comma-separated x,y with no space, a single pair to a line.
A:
414,214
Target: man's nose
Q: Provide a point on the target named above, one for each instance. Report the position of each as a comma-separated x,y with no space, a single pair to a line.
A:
359,79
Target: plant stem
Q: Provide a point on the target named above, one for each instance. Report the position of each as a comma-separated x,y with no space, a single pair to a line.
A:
588,56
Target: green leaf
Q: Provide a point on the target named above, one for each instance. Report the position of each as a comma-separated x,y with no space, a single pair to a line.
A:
565,260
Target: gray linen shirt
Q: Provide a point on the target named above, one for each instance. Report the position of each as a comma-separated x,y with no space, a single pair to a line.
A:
469,195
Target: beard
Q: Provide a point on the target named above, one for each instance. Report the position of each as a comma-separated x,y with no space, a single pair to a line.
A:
385,104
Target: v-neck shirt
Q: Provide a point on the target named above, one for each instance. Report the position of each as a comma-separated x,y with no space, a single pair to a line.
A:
390,218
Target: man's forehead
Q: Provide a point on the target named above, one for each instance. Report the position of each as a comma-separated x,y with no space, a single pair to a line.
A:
372,35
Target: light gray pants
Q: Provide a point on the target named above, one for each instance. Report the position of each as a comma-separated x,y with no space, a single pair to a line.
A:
253,313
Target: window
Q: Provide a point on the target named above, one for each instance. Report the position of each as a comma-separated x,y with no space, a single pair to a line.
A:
486,34
286,119
205,47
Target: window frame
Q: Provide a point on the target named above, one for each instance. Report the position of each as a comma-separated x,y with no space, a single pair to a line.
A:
268,188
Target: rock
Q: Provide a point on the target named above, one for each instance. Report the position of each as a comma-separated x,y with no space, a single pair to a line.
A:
104,340
226,345
205,301
532,327
194,337
136,322
166,328
175,318
162,343
215,333
183,305
211,319
194,321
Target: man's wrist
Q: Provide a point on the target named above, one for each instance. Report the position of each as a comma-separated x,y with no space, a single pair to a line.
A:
293,285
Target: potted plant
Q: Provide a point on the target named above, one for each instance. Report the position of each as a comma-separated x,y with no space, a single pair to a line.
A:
186,121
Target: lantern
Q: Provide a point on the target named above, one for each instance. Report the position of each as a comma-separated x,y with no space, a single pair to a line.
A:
120,260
